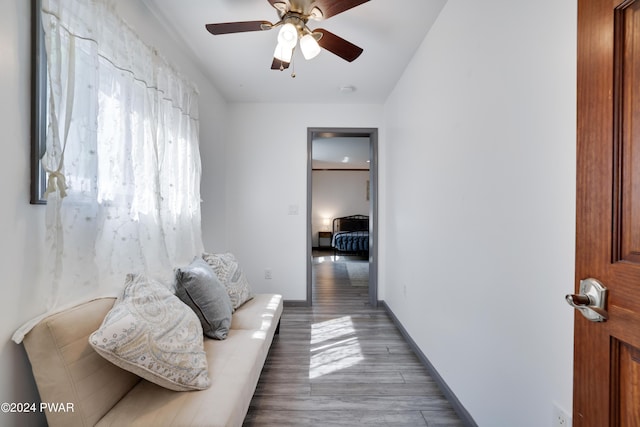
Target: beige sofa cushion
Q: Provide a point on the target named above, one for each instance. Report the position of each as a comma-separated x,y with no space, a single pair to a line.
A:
67,369
258,313
235,366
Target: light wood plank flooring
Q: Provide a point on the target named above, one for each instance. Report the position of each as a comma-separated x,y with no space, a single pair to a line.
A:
344,363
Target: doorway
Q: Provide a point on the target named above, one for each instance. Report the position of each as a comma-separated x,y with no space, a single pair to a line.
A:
314,134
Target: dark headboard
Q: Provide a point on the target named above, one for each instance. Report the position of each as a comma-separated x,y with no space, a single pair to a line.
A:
351,223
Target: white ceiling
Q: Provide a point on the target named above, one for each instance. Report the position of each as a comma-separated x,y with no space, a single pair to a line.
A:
239,65
341,153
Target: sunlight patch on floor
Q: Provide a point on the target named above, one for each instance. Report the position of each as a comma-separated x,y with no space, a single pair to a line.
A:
333,347
329,258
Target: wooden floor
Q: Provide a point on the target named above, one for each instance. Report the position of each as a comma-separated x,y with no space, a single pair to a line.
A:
343,363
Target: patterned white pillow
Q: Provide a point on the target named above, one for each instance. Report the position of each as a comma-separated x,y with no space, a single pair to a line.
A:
153,334
230,274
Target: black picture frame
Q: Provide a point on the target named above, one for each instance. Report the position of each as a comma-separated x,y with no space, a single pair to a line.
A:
38,105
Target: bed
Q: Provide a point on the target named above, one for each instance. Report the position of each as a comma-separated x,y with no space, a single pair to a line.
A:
351,235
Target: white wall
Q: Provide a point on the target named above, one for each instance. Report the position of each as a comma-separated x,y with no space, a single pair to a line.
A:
267,180
337,193
478,195
22,225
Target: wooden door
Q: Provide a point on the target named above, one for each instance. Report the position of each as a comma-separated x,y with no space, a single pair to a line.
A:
607,354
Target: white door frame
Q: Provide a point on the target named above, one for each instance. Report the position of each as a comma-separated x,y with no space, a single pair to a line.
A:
372,134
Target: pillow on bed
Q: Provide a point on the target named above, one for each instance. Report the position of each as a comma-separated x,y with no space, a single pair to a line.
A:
228,271
154,335
198,287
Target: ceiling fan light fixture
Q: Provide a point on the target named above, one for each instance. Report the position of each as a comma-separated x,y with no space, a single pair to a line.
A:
294,15
283,53
309,46
288,35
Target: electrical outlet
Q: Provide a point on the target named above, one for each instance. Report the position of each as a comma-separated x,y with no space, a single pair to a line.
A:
560,417
267,273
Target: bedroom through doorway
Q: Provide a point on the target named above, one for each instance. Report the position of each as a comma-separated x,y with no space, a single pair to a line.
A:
342,206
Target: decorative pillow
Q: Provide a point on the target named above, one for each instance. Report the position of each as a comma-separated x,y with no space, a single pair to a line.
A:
198,287
153,334
228,271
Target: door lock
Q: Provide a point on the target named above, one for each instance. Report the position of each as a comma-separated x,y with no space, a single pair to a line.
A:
591,301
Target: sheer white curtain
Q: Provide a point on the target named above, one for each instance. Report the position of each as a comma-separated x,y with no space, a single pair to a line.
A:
122,157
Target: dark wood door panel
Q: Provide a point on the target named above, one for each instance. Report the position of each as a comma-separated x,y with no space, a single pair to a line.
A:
626,388
625,278
627,129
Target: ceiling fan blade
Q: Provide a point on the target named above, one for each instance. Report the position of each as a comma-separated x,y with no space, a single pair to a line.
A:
331,8
238,27
279,65
338,46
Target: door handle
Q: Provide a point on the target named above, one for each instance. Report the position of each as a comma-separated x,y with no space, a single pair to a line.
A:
591,301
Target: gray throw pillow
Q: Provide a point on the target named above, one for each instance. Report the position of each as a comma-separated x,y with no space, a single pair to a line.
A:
198,287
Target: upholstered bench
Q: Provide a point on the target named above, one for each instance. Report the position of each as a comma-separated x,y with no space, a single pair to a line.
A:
68,370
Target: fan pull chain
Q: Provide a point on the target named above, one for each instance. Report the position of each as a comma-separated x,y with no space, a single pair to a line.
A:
293,67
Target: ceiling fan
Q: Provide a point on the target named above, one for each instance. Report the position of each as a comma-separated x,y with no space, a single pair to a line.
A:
294,15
